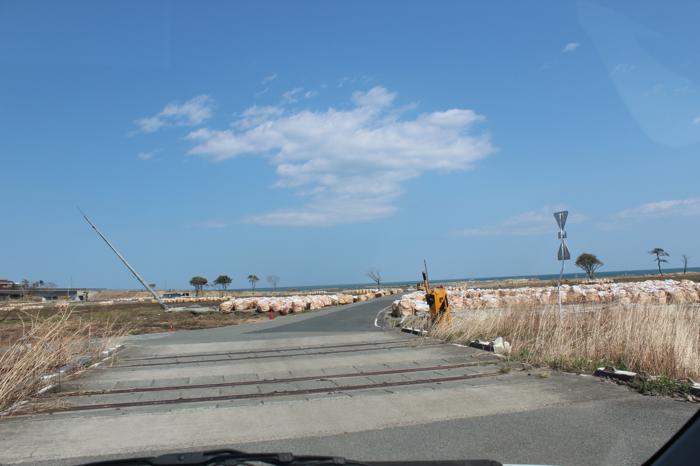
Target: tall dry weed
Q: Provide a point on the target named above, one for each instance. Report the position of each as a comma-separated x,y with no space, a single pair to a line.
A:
656,339
47,344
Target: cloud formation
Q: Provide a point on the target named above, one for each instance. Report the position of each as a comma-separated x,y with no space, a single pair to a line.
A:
292,95
673,208
191,113
296,94
348,165
268,79
533,222
570,47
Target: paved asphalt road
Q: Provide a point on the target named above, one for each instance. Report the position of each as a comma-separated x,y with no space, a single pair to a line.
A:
330,382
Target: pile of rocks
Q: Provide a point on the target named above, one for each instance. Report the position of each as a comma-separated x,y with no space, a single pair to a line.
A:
410,304
298,303
645,292
310,301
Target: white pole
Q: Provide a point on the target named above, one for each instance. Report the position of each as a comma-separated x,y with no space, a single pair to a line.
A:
561,274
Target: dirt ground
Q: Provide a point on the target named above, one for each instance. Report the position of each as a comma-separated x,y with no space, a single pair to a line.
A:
132,318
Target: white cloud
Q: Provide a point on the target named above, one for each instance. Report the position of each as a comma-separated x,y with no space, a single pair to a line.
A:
345,80
191,113
255,115
375,98
210,224
534,222
696,120
570,47
145,155
349,165
673,208
268,79
292,95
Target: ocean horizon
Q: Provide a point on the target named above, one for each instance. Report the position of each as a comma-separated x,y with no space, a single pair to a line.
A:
348,286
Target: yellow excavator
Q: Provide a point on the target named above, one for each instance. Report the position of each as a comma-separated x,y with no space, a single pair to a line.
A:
440,311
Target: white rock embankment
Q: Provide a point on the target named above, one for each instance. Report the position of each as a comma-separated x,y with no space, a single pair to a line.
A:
645,292
298,303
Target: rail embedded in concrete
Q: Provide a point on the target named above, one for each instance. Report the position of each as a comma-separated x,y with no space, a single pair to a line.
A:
287,355
247,396
117,391
274,350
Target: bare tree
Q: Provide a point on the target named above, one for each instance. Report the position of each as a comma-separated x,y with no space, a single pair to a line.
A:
374,275
273,280
684,259
659,253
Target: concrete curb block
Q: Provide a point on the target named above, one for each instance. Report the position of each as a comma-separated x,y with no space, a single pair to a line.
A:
46,389
695,389
482,345
627,376
415,331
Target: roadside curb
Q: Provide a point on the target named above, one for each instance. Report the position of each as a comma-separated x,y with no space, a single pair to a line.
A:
377,320
628,376
482,345
612,373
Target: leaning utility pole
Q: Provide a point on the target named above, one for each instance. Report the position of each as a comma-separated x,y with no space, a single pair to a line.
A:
131,269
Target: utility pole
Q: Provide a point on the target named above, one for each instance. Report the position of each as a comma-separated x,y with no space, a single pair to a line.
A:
131,269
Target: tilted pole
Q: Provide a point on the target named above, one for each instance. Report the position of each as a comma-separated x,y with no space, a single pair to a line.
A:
425,276
128,266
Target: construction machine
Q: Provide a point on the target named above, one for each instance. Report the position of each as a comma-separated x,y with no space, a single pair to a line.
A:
436,298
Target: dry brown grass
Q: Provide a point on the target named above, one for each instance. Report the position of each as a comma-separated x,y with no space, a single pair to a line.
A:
45,345
655,339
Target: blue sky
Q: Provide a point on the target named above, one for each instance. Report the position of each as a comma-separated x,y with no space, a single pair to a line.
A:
313,140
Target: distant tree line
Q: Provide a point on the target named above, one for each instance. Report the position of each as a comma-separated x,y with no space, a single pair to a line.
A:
589,263
222,282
